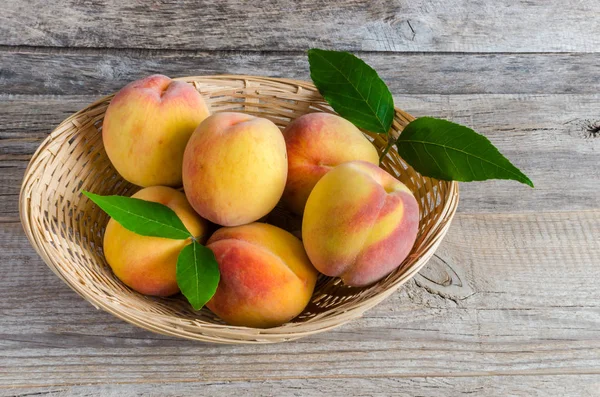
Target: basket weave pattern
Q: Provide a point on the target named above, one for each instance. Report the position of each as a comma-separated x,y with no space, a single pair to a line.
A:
66,229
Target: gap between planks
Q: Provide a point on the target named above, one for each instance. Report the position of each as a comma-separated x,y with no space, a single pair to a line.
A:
75,50
544,372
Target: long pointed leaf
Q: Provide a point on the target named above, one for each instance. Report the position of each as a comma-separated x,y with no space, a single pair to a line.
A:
197,274
445,150
353,89
142,217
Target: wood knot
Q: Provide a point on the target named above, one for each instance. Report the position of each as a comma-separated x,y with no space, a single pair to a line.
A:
593,130
442,278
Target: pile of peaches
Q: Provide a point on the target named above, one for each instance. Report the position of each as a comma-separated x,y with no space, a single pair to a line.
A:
358,222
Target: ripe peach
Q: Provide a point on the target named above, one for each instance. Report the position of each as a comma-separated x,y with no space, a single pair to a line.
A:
147,126
266,277
234,168
317,142
359,224
148,264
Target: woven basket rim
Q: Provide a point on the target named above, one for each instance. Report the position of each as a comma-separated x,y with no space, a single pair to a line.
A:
268,335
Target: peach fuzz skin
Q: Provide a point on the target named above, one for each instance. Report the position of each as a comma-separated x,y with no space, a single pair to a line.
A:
234,168
147,126
317,142
372,223
266,277
148,264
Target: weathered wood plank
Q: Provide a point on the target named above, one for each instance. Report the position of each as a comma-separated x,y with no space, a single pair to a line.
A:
96,72
510,294
500,386
381,25
544,135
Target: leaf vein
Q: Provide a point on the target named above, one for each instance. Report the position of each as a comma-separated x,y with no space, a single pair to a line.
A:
519,175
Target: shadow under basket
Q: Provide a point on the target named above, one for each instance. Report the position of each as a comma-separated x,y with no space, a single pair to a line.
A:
66,228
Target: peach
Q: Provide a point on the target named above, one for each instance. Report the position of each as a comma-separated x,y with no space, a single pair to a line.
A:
234,168
266,277
147,126
359,224
148,264
317,142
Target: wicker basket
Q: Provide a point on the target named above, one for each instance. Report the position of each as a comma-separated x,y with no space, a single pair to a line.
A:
66,229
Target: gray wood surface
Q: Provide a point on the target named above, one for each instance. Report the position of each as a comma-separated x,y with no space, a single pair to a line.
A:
510,304
526,386
44,71
475,311
375,25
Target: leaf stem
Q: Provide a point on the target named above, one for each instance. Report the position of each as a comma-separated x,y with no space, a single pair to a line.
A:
390,142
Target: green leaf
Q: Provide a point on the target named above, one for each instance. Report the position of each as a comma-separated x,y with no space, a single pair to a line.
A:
197,274
444,150
142,217
353,89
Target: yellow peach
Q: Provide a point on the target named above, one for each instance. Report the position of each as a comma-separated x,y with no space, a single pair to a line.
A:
147,126
359,224
266,277
317,142
234,168
148,264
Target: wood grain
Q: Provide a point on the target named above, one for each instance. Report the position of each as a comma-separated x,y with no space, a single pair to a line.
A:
96,72
381,25
501,386
542,319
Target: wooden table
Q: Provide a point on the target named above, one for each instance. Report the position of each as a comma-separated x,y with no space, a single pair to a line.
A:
510,305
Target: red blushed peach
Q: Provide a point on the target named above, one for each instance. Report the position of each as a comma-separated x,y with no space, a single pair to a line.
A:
147,126
234,168
317,142
148,264
359,224
266,277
